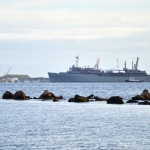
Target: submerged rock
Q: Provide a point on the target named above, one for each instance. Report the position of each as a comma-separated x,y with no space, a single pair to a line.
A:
8,95
137,97
132,101
99,99
115,100
55,100
90,96
71,100
35,98
20,95
144,103
59,97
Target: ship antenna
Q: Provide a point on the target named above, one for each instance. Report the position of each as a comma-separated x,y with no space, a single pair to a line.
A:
125,64
77,60
117,64
132,64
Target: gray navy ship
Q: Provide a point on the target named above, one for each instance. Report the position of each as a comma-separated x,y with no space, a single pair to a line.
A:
88,74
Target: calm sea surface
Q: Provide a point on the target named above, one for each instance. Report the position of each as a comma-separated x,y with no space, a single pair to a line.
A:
46,125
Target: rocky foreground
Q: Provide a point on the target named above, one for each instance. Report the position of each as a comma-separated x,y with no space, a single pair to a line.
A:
142,99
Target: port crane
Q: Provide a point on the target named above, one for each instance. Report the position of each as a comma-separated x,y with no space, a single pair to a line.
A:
5,78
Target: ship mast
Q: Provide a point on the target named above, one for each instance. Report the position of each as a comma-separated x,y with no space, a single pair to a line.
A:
97,64
77,61
125,66
132,64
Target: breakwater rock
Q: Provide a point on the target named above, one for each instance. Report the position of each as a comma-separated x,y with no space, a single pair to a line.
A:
8,95
19,95
141,99
46,95
132,101
115,100
144,103
81,99
145,95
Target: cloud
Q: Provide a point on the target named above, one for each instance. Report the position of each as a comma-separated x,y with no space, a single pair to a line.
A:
73,34
142,44
68,24
56,28
100,5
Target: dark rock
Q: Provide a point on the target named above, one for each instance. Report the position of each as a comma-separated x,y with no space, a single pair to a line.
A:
132,101
90,96
99,99
43,99
47,95
59,97
78,99
115,100
137,97
8,95
35,98
20,95
145,94
71,100
55,100
144,103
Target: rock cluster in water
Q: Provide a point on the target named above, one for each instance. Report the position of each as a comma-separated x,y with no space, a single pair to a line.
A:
142,99
144,96
8,95
20,95
46,95
81,99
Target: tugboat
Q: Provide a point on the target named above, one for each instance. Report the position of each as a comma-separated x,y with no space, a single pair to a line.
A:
131,79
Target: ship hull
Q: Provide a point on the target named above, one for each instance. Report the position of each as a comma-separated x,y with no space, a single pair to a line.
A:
68,77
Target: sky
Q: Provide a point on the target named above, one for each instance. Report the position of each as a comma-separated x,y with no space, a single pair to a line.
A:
40,36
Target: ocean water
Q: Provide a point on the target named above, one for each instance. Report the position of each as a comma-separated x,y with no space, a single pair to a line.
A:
46,125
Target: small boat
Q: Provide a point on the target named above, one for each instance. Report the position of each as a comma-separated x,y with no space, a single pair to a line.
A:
131,79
